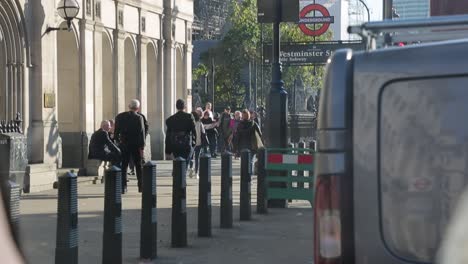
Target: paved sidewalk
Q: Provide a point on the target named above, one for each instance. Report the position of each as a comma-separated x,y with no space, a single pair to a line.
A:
282,236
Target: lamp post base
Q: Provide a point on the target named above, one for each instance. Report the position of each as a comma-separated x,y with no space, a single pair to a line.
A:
277,133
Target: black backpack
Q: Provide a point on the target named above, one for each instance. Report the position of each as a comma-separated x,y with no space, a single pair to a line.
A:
180,140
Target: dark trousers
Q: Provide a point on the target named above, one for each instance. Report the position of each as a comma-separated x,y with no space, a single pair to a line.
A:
135,154
186,154
196,158
213,143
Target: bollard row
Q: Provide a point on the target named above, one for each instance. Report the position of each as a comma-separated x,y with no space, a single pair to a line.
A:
66,250
179,211
261,183
149,223
112,237
245,188
226,191
204,197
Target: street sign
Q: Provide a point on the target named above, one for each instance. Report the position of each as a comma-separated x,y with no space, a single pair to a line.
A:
323,21
266,12
313,53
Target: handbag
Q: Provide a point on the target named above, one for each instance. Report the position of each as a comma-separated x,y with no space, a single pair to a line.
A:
257,141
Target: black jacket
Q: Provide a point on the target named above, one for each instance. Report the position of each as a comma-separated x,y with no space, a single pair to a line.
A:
101,145
180,123
130,129
145,123
245,133
212,132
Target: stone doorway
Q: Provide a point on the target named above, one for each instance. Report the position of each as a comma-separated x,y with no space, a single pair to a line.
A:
69,99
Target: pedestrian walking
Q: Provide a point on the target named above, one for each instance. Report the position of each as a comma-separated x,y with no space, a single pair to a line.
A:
200,142
248,134
225,129
209,110
102,148
181,133
234,123
211,131
130,133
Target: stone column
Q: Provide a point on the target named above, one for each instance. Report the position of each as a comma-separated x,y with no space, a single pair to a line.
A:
158,143
43,133
119,71
119,63
98,78
142,44
169,59
142,76
87,85
188,74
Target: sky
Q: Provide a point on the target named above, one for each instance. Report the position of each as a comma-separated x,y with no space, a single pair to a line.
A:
375,7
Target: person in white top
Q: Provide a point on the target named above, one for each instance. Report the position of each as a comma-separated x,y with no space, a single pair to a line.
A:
208,109
200,130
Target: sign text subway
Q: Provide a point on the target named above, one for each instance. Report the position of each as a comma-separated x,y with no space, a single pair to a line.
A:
318,53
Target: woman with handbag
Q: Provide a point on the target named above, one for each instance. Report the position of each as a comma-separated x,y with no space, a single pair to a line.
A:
248,134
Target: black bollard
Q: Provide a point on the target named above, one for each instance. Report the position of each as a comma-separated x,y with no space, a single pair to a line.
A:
226,190
66,250
261,183
204,197
112,238
149,223
245,188
179,203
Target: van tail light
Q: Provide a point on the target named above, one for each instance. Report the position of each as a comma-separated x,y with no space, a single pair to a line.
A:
327,221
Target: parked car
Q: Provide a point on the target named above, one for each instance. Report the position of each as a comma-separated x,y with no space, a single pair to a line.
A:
392,156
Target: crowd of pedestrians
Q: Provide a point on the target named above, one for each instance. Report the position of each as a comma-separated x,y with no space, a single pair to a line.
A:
188,135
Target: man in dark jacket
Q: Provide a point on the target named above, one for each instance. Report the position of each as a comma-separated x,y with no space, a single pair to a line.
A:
130,133
181,133
101,146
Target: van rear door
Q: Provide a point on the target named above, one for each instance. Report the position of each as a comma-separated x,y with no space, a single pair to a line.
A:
409,149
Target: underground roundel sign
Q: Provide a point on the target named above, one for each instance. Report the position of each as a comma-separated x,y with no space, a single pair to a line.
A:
323,21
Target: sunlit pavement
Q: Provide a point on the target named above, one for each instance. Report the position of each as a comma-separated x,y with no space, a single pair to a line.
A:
282,236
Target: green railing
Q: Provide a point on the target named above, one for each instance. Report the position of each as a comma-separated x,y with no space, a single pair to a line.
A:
293,162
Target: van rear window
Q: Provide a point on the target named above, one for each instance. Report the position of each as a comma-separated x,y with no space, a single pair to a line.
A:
423,148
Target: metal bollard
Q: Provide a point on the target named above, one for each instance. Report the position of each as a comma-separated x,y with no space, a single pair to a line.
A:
246,178
179,210
112,237
204,197
302,145
149,222
66,250
261,183
226,190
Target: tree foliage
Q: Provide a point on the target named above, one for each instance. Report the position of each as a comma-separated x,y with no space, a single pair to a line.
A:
241,45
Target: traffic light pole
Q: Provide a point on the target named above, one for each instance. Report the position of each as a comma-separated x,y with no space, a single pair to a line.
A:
387,9
277,123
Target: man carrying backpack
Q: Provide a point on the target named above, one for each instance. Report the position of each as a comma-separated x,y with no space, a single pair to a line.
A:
181,133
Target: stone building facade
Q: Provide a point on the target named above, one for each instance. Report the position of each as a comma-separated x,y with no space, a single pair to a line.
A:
65,82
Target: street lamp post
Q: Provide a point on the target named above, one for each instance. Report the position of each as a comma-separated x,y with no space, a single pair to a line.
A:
68,10
367,9
277,112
